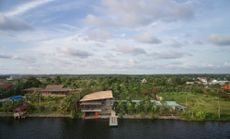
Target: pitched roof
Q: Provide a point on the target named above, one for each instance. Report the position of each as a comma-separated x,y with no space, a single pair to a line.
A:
5,85
33,89
226,86
22,107
98,96
56,88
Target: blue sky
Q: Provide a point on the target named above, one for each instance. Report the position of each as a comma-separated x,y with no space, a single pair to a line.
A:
114,36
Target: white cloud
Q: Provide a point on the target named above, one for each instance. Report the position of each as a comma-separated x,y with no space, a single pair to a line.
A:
147,37
142,12
13,24
220,40
130,50
74,52
170,55
21,9
98,35
92,19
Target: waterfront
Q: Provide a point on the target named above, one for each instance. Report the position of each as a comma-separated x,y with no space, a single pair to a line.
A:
38,128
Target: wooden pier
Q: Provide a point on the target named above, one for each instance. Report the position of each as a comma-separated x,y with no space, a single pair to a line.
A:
113,119
20,115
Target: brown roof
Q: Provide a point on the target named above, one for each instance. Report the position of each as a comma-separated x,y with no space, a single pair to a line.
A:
98,96
33,89
56,88
5,85
22,107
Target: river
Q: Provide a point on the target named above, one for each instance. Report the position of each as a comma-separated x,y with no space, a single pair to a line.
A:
59,128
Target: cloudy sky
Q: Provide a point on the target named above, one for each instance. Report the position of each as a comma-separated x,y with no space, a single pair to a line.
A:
114,36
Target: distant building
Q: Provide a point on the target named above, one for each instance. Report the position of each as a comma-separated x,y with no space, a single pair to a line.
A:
5,85
214,81
226,87
143,81
202,80
189,83
32,90
56,89
98,103
10,78
50,90
174,106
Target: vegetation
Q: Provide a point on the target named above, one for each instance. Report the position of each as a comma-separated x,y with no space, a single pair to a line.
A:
202,103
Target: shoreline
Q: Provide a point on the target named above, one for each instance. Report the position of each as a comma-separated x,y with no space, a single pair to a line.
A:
133,117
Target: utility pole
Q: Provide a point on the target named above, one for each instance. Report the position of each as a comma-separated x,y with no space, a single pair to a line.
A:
186,99
219,104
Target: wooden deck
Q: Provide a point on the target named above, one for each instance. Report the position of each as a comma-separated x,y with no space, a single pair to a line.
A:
113,119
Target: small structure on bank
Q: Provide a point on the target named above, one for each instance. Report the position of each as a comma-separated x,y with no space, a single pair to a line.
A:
113,119
174,106
97,104
21,111
50,90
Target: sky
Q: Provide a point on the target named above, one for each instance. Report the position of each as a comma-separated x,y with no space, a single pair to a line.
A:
114,36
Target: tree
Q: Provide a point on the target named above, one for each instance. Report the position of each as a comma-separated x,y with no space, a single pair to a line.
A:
32,82
69,103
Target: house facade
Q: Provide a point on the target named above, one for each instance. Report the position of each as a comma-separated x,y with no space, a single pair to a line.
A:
50,90
97,104
5,85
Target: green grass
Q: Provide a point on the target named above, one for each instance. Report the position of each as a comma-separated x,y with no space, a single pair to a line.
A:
200,102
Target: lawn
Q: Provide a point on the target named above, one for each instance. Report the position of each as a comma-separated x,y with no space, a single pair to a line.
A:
200,102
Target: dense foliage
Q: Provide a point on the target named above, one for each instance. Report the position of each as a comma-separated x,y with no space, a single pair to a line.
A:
126,87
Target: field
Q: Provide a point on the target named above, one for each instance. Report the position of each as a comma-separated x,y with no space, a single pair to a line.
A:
200,102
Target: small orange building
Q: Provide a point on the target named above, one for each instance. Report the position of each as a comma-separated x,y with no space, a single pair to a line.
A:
226,87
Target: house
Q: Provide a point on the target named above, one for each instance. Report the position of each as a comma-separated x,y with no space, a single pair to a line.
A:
5,85
16,98
143,81
32,90
189,83
202,80
226,87
12,98
50,90
56,89
10,78
214,81
98,103
20,111
174,106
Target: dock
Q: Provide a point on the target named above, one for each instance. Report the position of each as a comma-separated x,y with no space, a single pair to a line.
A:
20,115
113,119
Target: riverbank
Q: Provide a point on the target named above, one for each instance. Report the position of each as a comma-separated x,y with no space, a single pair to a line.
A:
137,117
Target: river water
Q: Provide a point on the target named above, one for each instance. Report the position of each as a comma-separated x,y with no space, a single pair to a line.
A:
59,128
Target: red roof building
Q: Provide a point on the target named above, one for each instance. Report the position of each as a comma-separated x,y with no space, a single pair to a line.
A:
23,107
5,85
226,87
51,89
